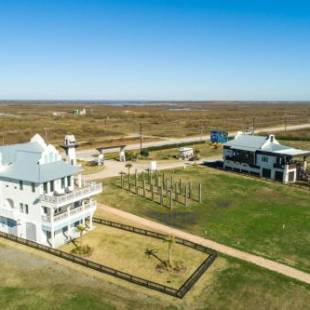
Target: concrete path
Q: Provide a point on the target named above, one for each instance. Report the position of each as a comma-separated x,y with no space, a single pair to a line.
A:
90,154
251,258
112,168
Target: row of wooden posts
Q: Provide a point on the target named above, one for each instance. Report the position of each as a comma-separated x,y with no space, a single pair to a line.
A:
160,188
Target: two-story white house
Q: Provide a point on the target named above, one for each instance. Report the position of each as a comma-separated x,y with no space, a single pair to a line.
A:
265,157
43,198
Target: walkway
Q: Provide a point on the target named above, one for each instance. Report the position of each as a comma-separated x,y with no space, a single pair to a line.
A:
251,258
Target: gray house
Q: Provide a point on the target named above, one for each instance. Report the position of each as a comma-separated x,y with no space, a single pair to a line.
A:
265,157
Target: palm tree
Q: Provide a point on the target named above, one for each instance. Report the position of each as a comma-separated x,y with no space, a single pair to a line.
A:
151,252
128,166
170,241
80,229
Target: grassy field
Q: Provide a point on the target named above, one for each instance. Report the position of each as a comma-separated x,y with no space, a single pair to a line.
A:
205,150
30,279
265,218
125,251
108,125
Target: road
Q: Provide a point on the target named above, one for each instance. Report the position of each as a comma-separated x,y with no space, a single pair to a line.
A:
90,154
112,168
221,248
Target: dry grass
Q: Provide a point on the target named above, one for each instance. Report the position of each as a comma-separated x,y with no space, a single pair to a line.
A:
110,125
124,251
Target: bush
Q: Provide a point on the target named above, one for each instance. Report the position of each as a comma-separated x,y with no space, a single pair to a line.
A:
145,153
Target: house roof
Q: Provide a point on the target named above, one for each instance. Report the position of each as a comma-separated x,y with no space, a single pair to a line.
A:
34,161
260,143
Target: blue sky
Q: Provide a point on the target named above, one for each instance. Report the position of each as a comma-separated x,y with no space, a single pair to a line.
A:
163,50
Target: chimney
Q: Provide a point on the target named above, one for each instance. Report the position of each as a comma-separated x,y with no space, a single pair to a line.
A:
271,138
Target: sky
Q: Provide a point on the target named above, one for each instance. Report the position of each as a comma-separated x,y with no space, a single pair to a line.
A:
155,50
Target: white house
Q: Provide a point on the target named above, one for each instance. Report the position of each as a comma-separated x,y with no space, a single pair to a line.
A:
265,157
43,198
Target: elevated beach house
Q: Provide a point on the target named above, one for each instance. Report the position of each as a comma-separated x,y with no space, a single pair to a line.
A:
42,197
265,157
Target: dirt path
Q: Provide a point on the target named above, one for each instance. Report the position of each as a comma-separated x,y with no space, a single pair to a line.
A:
251,258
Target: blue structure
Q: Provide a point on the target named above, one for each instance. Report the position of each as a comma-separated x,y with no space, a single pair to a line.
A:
218,136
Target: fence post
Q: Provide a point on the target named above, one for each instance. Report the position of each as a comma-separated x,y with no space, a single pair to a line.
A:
152,192
143,186
186,195
161,196
190,190
122,180
200,196
170,194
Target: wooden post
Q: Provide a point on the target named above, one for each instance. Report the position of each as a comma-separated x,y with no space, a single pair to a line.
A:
163,180
143,186
152,192
151,181
170,196
190,190
186,195
200,196
128,181
122,180
156,179
148,176
161,196
136,176
171,182
176,191
180,186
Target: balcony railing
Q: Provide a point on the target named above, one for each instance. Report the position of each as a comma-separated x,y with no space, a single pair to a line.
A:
7,213
63,215
92,188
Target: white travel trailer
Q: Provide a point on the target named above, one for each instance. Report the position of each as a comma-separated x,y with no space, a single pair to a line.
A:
42,197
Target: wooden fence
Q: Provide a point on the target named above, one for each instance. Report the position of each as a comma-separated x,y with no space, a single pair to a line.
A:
179,293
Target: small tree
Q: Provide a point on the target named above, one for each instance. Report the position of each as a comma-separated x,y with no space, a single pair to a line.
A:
80,229
128,166
152,253
170,241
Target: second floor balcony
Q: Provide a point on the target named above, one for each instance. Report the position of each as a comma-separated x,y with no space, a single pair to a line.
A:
68,213
59,200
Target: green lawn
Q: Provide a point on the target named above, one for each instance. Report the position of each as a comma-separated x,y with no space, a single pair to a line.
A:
30,279
265,218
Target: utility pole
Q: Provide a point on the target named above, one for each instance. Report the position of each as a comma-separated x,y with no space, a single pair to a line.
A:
141,137
253,126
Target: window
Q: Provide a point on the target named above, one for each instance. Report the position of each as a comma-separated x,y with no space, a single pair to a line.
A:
69,181
33,187
45,210
265,159
62,182
21,185
26,209
52,186
21,207
45,188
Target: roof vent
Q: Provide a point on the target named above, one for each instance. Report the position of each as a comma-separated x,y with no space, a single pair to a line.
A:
271,138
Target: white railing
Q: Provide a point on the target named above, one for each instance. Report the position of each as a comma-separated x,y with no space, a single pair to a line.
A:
61,216
92,188
7,213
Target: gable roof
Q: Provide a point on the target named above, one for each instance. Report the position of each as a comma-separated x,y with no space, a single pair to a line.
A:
260,143
27,162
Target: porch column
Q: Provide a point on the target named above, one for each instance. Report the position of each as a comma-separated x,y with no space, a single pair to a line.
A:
91,222
69,222
80,180
52,227
305,163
